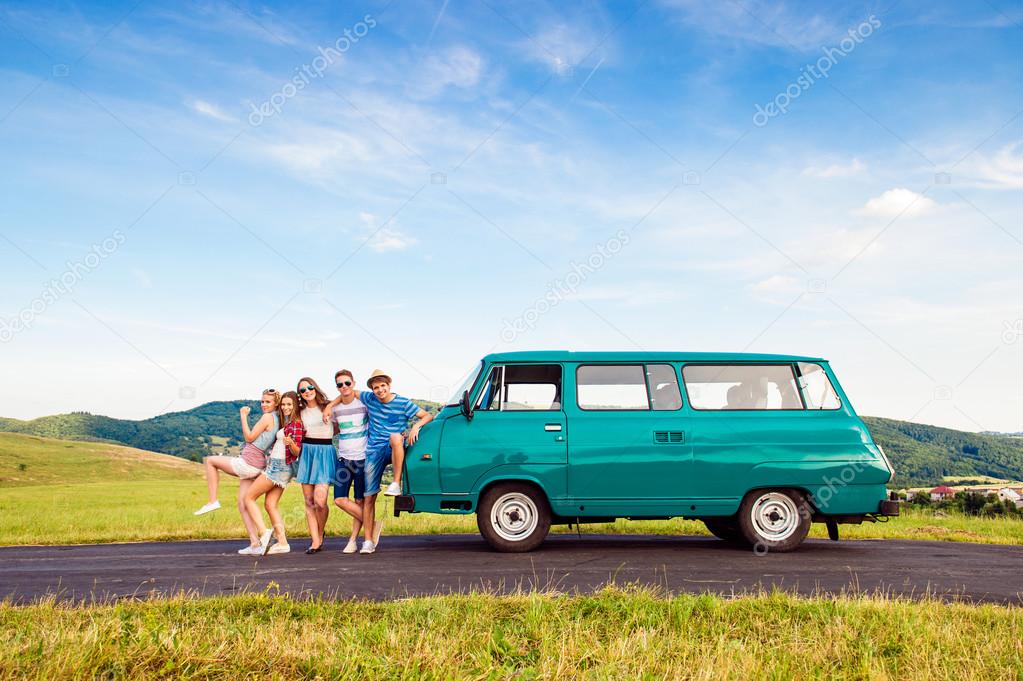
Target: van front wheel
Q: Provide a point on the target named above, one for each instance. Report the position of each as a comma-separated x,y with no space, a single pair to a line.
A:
774,520
513,517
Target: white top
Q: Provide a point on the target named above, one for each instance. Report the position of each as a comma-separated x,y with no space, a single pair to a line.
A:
312,419
353,428
278,449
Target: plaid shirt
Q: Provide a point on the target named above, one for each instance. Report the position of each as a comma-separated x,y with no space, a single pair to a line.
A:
295,430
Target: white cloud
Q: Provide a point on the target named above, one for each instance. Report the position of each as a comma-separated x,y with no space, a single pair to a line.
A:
142,277
761,22
778,288
390,240
459,66
1004,170
898,201
385,239
213,111
560,46
851,169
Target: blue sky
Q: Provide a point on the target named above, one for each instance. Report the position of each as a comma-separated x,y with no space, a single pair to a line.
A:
459,178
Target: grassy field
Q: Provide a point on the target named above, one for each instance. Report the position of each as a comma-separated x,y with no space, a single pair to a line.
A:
58,492
615,633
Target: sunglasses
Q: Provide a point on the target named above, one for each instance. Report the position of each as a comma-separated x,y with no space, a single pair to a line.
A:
269,391
343,383
307,389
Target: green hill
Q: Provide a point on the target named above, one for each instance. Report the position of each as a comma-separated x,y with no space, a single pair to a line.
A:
925,455
27,461
921,454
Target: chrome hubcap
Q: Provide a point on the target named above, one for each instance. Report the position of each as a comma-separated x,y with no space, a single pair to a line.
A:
514,516
775,516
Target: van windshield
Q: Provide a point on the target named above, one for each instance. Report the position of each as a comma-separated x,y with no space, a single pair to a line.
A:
466,384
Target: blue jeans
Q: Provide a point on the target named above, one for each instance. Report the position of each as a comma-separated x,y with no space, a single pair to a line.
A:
350,473
377,459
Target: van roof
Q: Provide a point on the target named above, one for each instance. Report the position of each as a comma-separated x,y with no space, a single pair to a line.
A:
645,356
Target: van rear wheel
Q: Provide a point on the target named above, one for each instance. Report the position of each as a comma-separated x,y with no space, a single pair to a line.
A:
725,528
513,517
775,520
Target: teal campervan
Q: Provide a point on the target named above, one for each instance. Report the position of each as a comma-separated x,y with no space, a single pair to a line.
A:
756,446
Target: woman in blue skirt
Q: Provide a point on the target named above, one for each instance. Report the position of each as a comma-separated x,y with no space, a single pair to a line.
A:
317,462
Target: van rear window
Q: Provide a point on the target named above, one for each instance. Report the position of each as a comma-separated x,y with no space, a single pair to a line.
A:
733,387
817,388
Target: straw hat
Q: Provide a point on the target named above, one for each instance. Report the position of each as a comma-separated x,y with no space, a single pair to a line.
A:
376,375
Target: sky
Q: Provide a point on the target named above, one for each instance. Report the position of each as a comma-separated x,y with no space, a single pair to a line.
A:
199,200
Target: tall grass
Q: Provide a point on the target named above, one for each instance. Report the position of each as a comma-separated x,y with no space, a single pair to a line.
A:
615,633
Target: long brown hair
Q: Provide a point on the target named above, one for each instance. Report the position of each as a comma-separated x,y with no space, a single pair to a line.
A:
293,396
320,399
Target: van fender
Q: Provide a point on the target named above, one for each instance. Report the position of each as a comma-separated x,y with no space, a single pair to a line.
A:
815,474
539,475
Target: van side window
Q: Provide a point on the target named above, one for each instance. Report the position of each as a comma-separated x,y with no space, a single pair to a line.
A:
522,387
817,389
612,387
741,386
664,392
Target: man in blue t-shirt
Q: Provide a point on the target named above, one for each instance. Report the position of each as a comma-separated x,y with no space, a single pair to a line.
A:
389,414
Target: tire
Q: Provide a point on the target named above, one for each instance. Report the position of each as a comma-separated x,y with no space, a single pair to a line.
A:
774,519
726,529
513,517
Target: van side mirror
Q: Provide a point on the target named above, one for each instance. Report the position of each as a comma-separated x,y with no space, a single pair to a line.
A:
466,408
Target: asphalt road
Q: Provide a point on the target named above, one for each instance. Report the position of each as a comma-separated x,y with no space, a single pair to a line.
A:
405,566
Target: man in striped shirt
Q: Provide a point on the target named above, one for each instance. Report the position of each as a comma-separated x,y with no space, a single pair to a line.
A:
389,415
352,420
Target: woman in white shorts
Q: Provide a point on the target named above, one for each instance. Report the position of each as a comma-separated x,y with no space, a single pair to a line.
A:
259,439
280,469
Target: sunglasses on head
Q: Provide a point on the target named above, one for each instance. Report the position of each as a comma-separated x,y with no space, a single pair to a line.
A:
343,383
269,391
307,389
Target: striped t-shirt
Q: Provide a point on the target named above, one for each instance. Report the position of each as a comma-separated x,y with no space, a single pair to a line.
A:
353,428
387,419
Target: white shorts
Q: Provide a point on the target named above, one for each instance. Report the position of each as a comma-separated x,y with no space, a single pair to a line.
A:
243,469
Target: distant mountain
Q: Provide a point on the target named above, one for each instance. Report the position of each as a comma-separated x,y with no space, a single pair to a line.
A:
187,434
921,454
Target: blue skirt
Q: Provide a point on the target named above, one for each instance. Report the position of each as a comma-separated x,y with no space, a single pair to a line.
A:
316,465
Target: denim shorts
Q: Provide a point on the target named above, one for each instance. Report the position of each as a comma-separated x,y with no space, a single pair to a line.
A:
280,473
377,459
350,473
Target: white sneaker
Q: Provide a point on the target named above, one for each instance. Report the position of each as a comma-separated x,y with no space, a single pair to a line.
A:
212,506
368,547
378,529
251,551
393,490
278,548
351,547
264,541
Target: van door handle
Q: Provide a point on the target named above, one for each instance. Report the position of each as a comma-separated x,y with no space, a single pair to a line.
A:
552,427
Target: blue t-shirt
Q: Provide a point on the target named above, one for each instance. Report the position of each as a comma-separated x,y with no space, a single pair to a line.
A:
387,419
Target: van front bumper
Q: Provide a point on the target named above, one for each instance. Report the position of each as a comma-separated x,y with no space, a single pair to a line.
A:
404,502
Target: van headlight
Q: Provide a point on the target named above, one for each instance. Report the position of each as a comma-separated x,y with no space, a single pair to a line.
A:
884,457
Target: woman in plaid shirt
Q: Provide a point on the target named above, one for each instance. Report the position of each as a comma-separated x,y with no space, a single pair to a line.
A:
280,469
